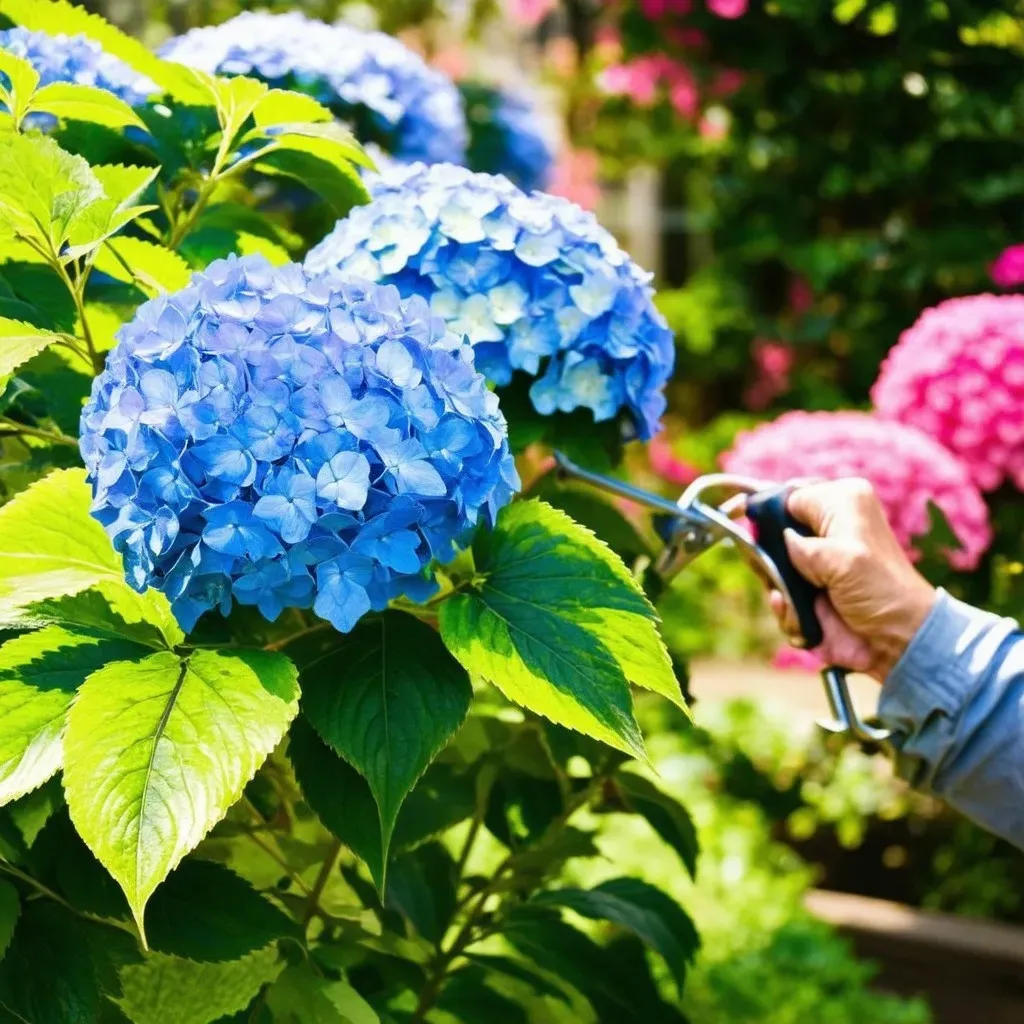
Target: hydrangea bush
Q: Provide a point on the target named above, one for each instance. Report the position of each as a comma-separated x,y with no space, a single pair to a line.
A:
534,283
288,660
908,470
290,443
958,375
415,112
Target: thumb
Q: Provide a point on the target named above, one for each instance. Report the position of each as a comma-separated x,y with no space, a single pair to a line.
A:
810,557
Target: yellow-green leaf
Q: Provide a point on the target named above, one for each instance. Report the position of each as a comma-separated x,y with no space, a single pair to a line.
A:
156,752
19,342
51,547
71,101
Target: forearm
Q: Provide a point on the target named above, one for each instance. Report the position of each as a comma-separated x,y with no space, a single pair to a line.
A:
956,701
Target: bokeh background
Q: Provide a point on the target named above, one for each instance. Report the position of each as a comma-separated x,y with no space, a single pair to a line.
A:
805,178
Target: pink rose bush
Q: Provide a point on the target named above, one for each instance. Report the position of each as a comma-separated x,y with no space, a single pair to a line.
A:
907,468
958,375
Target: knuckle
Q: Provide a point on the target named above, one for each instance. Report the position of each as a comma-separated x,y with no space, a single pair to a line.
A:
860,489
855,558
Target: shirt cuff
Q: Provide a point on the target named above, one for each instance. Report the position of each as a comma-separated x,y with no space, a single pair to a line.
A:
935,673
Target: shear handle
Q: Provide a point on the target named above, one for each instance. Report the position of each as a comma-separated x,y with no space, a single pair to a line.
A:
769,517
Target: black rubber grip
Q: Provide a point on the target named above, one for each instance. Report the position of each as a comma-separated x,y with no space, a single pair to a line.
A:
767,513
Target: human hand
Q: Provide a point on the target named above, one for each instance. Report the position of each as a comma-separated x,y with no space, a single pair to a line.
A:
875,599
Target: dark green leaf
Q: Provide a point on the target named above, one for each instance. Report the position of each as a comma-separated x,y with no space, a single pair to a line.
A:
516,969
557,947
342,800
10,908
48,974
205,912
469,998
642,909
421,886
387,698
664,814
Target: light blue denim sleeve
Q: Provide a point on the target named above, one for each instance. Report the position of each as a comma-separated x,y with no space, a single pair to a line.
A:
956,701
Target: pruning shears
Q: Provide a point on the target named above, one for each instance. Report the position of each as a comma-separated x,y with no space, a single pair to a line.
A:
697,524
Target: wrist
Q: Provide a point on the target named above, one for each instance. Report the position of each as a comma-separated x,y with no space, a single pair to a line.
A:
901,625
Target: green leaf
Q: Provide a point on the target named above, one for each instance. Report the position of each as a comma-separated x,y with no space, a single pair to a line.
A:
640,908
387,697
31,812
23,80
470,999
39,674
71,101
421,886
517,970
557,947
10,908
301,997
107,215
112,610
235,98
344,145
43,189
319,164
341,798
51,547
278,106
559,625
170,990
153,268
19,342
48,974
664,814
156,752
205,912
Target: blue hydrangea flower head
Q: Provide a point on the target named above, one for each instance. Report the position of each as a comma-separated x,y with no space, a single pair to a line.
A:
506,136
370,78
78,59
279,440
533,282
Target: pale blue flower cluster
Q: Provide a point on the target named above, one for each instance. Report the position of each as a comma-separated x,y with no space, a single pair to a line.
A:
78,59
415,111
533,282
506,136
286,441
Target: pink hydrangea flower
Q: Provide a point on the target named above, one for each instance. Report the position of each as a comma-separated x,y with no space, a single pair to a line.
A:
907,468
530,12
728,8
668,465
575,178
958,375
1008,269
